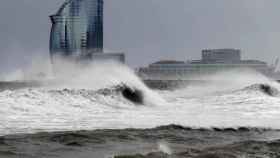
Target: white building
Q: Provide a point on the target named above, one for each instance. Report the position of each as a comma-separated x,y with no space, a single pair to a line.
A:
213,61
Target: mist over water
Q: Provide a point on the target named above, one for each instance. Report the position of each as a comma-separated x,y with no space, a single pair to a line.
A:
78,99
225,102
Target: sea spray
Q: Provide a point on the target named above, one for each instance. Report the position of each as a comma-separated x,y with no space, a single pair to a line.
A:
164,147
98,75
84,74
74,102
225,81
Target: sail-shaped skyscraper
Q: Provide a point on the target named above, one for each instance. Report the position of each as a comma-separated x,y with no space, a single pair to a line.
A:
77,28
77,31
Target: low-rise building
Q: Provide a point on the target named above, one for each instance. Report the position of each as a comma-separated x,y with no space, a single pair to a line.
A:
213,61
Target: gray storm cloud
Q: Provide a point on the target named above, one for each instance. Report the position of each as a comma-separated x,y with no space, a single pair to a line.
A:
149,30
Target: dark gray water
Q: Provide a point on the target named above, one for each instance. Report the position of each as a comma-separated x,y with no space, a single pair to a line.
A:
163,142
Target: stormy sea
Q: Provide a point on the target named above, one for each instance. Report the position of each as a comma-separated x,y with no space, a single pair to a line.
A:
106,111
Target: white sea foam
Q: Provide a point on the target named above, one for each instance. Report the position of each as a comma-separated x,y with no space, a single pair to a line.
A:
163,147
81,107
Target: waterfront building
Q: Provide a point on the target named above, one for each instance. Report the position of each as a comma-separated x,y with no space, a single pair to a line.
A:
213,61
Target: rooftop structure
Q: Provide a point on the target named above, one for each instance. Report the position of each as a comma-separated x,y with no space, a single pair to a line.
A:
221,55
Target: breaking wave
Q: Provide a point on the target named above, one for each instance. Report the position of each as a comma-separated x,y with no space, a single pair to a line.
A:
263,88
112,96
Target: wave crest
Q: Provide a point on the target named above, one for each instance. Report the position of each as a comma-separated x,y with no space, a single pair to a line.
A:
264,88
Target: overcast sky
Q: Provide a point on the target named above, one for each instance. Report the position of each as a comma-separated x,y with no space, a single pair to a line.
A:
149,30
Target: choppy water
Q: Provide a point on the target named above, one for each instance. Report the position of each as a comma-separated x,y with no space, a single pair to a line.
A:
227,103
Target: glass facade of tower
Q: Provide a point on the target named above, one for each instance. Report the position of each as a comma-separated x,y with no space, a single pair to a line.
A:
77,28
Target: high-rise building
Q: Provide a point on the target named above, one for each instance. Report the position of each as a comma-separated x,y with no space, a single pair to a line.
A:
77,29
